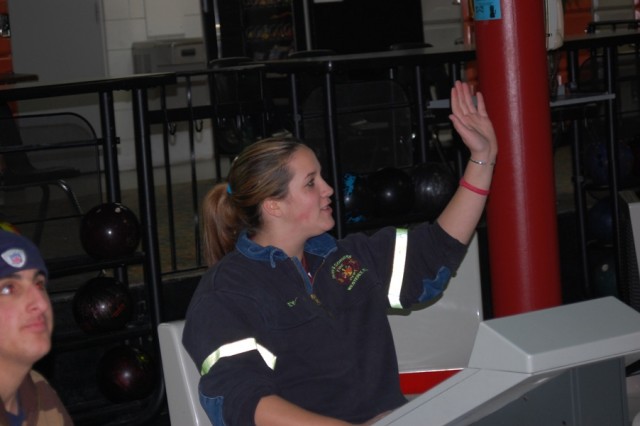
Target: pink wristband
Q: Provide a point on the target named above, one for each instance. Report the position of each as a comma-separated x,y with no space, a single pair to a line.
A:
472,188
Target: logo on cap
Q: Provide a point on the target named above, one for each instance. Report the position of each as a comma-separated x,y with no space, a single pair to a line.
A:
15,257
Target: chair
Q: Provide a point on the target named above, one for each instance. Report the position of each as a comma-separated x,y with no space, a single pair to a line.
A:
305,85
435,82
239,106
373,122
435,79
312,53
426,351
17,172
181,377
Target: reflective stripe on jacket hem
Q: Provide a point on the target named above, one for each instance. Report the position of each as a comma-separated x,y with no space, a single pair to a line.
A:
235,348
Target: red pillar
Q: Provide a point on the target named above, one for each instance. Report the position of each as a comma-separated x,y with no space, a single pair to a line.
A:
521,213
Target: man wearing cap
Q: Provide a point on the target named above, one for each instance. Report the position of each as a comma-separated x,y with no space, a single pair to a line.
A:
26,323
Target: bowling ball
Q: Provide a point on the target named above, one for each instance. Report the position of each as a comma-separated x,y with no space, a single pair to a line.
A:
126,373
600,221
393,191
635,149
597,162
434,185
109,231
102,304
357,197
603,271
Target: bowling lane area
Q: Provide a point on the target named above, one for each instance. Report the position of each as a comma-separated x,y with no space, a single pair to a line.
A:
105,332
181,266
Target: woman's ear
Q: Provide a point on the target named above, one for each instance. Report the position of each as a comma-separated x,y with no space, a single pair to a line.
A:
271,207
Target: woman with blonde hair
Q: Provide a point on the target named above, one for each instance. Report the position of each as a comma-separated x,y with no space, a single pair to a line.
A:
289,325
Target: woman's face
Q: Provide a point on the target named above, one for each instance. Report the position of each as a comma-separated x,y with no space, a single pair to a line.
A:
307,206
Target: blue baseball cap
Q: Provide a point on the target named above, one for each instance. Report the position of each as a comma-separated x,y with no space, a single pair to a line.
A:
17,253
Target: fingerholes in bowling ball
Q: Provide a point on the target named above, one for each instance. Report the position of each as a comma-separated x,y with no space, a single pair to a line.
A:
393,191
102,304
602,271
126,373
109,231
434,184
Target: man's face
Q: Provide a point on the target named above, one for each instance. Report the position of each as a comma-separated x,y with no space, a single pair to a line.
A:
26,318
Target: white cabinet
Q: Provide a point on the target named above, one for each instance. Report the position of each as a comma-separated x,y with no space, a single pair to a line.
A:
442,22
612,10
58,40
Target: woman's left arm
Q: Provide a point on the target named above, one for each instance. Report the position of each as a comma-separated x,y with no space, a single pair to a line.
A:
461,216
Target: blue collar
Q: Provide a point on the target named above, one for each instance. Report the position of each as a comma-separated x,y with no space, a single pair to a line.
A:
322,246
16,419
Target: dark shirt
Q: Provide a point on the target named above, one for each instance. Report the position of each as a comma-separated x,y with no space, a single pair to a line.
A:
258,325
39,404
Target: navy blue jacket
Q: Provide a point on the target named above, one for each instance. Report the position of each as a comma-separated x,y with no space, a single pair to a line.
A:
258,325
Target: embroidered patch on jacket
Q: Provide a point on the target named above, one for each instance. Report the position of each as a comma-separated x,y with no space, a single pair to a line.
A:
347,271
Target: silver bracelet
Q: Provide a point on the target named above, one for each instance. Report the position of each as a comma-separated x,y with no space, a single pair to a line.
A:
481,163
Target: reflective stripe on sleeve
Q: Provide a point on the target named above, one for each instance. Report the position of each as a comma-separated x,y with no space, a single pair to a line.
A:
399,258
235,348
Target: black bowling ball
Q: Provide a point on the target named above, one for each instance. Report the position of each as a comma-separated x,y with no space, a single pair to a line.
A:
358,197
109,231
434,185
126,373
102,304
600,221
602,270
393,191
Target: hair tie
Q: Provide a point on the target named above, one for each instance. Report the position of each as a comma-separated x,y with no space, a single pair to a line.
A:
229,189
